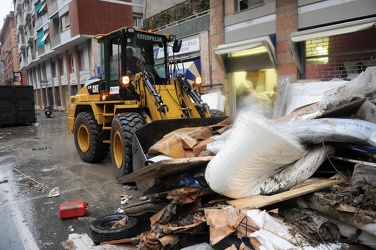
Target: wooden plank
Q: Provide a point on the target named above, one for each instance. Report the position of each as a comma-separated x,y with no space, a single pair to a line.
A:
259,201
165,167
115,242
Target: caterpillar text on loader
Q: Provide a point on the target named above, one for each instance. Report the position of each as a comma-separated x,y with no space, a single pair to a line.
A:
105,114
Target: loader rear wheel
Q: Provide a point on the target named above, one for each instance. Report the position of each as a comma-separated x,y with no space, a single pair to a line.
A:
88,138
122,129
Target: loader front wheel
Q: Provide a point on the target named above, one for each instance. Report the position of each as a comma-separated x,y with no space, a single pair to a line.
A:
88,138
122,129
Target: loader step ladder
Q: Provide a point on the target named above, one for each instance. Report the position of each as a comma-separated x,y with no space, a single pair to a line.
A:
106,114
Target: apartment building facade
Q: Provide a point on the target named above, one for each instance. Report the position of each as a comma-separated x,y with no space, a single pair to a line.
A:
11,73
56,45
258,43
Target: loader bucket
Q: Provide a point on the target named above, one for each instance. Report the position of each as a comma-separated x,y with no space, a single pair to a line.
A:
148,135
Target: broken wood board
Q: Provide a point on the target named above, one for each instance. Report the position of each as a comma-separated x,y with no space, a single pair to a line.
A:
164,168
259,201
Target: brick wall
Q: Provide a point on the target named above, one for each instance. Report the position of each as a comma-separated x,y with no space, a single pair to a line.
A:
217,37
286,12
348,54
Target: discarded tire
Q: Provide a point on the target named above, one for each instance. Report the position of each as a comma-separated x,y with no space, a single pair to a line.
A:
100,229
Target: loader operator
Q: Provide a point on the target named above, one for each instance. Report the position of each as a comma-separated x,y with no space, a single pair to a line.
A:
134,64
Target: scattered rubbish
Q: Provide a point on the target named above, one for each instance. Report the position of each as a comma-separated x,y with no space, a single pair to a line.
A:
188,181
54,192
41,148
304,180
73,209
125,199
130,187
77,241
15,168
143,198
3,181
201,246
119,210
120,223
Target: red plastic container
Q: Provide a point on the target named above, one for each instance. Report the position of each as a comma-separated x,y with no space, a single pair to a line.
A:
72,209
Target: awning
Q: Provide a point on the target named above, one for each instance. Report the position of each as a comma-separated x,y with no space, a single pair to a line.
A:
327,31
40,35
38,6
41,9
56,15
252,54
44,37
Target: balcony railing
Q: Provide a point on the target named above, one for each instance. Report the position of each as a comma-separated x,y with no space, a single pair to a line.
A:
41,50
52,7
41,20
55,41
177,14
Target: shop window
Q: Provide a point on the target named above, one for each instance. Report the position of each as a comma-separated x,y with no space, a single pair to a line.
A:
246,4
256,90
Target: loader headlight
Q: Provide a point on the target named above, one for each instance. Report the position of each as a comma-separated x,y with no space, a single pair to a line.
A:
198,82
104,96
125,81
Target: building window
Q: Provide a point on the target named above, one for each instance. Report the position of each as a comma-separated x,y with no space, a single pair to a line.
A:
137,21
246,4
65,22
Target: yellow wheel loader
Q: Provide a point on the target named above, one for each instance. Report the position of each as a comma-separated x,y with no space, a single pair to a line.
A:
138,85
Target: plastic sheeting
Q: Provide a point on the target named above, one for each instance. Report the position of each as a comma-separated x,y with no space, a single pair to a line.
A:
362,86
274,234
331,129
253,152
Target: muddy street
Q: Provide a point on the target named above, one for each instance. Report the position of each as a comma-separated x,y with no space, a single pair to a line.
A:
36,158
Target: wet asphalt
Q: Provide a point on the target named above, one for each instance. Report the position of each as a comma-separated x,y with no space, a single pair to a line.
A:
34,159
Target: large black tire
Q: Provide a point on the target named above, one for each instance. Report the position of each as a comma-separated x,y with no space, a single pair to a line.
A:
123,127
100,229
88,138
216,113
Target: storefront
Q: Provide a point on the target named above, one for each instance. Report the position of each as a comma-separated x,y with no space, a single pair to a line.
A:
335,51
250,67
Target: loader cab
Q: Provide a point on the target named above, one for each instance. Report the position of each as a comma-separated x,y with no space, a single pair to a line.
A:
127,52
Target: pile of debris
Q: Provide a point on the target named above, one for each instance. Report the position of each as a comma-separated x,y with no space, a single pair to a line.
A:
311,169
